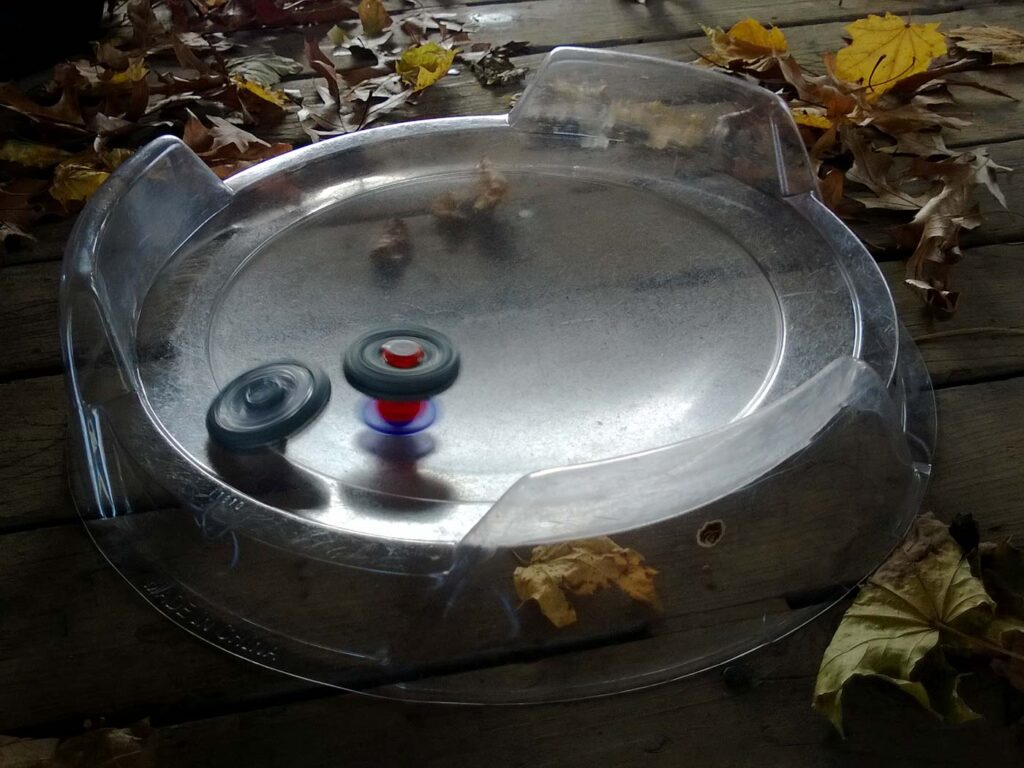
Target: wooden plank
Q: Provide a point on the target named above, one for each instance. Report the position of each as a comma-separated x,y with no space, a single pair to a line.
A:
72,625
50,239
28,314
693,722
32,445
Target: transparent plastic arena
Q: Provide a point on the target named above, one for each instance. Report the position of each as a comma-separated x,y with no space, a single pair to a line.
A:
651,325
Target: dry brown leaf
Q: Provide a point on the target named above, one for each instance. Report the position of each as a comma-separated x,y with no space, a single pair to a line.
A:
447,208
225,147
880,173
582,567
394,246
9,229
936,227
490,189
1006,46
101,748
919,143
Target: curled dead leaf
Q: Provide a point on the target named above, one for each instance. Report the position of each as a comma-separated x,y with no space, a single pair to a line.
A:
487,193
490,189
394,246
575,568
1005,46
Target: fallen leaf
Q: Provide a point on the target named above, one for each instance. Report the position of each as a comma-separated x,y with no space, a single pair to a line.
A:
447,208
423,65
266,94
8,229
880,173
108,747
581,568
74,181
373,16
936,227
135,71
924,593
495,68
27,753
1002,570
490,189
1010,637
25,200
758,39
394,245
812,117
225,147
31,154
943,302
885,49
920,144
265,69
1006,46
747,41
337,35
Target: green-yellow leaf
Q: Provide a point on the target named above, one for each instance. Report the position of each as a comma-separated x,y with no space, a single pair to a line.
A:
423,65
31,154
76,181
884,50
924,593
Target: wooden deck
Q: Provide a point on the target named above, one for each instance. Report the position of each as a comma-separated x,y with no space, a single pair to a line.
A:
77,643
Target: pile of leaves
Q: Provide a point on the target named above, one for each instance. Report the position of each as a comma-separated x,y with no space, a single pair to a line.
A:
183,67
874,124
938,605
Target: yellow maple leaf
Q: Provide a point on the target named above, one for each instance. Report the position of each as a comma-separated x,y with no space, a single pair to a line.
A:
267,94
884,50
135,71
374,17
423,65
753,33
746,40
76,181
812,117
31,154
581,568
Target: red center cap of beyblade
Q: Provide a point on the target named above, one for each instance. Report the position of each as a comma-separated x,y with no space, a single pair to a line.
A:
401,353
